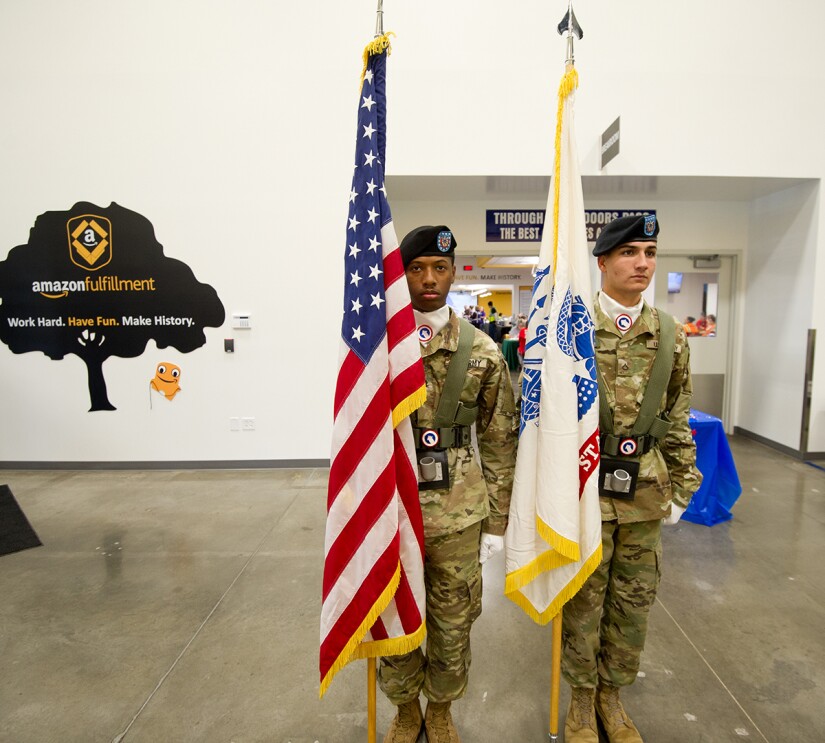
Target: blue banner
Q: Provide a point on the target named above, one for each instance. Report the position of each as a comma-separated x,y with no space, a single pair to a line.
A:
526,225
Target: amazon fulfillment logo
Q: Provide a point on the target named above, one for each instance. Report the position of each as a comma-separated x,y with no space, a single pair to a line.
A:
90,241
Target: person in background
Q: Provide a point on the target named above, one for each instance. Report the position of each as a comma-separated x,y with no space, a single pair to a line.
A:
492,320
647,477
710,326
521,324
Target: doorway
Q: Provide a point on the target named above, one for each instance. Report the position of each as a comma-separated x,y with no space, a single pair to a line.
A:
698,291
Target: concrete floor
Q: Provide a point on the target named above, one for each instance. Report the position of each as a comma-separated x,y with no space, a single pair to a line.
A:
183,606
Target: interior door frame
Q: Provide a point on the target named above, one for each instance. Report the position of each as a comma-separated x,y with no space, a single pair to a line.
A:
729,389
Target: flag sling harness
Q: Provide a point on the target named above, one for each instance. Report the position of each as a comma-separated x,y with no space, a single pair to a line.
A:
648,429
453,418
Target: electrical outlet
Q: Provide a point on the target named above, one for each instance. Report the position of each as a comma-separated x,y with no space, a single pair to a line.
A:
248,424
234,424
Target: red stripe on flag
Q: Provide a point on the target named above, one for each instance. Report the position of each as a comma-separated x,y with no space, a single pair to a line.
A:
393,268
399,326
362,602
407,608
378,630
405,383
373,419
407,481
351,369
350,538
588,459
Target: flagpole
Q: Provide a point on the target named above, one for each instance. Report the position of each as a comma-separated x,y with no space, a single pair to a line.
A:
371,701
570,26
555,679
371,735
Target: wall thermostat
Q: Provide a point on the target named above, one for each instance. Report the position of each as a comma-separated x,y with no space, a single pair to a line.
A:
241,320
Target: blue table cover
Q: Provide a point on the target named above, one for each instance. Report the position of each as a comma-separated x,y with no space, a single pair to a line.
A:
720,488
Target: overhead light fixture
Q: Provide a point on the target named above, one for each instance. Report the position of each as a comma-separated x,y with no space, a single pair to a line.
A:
485,294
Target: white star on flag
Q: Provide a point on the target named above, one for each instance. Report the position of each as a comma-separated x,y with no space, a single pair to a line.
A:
353,223
374,244
375,272
368,103
354,250
369,131
372,215
356,305
357,334
369,157
354,278
376,300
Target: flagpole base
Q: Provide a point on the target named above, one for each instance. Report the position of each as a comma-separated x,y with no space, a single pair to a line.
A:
553,736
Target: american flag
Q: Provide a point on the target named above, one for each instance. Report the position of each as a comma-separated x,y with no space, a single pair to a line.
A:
373,590
553,541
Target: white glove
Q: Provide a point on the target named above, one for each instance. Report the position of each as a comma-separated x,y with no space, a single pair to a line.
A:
675,514
490,545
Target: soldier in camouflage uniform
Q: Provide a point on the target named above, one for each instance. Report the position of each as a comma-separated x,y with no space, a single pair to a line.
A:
464,522
605,624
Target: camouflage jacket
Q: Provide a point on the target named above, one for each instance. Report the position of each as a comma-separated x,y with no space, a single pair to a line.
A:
668,471
477,491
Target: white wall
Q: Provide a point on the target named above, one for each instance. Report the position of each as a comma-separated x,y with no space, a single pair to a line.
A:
230,125
779,279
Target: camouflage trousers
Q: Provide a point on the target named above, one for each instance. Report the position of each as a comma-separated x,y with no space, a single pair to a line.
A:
452,577
605,624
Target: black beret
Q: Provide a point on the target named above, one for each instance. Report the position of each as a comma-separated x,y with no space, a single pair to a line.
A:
643,228
428,240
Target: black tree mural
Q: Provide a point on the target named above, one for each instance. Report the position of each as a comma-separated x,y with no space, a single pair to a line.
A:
93,281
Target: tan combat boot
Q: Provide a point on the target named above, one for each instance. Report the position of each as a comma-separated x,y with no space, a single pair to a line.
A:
406,725
580,725
617,725
438,722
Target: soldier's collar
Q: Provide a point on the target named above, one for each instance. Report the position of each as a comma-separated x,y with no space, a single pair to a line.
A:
622,317
446,337
429,324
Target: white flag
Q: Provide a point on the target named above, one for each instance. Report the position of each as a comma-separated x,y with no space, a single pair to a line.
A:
553,542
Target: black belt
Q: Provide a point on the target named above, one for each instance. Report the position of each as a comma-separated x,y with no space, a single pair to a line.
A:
442,438
626,446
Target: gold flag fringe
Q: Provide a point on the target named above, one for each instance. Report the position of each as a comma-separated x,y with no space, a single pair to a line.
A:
568,84
376,46
408,405
512,591
392,645
352,645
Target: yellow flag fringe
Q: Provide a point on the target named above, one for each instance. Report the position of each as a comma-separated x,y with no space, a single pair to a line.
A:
566,593
354,649
376,46
568,84
408,405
